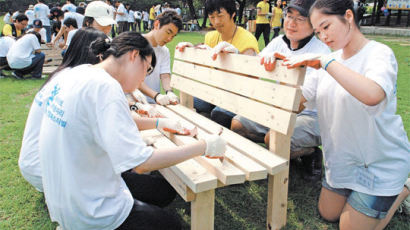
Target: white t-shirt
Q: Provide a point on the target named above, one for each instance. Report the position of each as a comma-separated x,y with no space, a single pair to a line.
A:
15,14
21,52
70,36
354,134
137,15
163,66
6,18
60,40
122,18
5,43
41,11
70,7
78,17
30,15
313,46
43,34
145,16
131,16
87,139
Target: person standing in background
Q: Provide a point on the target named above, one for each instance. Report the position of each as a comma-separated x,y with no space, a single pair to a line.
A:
42,12
263,16
30,15
277,15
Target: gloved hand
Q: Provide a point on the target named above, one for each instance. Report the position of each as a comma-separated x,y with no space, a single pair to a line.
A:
225,47
139,96
316,61
162,99
145,109
269,60
172,126
173,99
215,146
181,46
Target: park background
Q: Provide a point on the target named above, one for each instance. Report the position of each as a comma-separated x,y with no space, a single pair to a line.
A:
236,207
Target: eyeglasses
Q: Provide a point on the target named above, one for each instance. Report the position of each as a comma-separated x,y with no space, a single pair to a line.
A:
150,70
297,20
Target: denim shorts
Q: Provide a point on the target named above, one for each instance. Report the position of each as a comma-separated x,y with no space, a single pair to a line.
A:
369,205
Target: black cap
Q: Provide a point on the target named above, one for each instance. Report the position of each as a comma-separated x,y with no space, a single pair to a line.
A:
37,23
303,6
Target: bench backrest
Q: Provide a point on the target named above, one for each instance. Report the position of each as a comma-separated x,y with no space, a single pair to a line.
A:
239,83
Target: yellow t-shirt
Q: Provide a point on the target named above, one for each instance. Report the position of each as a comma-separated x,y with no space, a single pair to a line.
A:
264,10
152,14
8,31
242,40
277,16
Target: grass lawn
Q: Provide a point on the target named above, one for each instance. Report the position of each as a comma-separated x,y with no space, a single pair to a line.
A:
236,207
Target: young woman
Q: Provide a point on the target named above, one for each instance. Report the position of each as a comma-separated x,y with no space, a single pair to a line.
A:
277,15
78,53
88,138
366,150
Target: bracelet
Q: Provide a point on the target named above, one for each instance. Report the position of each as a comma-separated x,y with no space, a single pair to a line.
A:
134,107
327,64
155,98
156,125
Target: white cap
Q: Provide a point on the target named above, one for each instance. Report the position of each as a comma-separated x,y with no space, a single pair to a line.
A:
101,12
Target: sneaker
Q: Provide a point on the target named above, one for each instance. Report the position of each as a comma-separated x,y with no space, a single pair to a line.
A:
16,76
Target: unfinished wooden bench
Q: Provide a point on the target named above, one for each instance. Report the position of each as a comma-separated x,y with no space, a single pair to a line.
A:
239,84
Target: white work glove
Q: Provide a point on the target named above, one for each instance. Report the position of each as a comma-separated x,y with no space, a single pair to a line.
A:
162,99
139,96
224,47
215,146
316,61
145,109
173,126
173,99
269,60
181,46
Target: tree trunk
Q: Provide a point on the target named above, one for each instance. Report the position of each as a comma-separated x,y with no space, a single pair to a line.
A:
191,9
205,19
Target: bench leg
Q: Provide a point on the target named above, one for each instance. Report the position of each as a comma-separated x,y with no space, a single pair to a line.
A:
202,211
277,200
278,183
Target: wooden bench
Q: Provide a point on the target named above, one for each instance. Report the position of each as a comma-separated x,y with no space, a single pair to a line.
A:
239,84
54,54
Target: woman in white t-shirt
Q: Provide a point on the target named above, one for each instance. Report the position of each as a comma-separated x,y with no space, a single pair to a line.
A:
25,56
88,139
365,146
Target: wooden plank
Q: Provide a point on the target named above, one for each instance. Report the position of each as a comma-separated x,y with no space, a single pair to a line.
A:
196,177
278,183
274,118
182,189
252,170
272,93
244,64
186,100
262,156
203,211
49,69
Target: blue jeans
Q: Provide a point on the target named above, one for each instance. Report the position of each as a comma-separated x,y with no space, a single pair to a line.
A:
48,33
36,67
372,206
217,114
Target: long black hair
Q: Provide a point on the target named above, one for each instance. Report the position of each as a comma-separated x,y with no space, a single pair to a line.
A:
123,43
335,7
79,51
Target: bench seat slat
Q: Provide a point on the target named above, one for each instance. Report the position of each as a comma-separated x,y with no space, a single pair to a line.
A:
274,118
262,156
252,170
244,64
286,97
196,177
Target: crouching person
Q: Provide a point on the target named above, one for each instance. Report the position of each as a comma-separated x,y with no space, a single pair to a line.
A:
25,56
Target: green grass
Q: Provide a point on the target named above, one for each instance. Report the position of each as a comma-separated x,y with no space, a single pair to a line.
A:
236,207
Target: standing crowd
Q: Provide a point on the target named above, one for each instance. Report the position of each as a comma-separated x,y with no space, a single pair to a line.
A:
82,116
